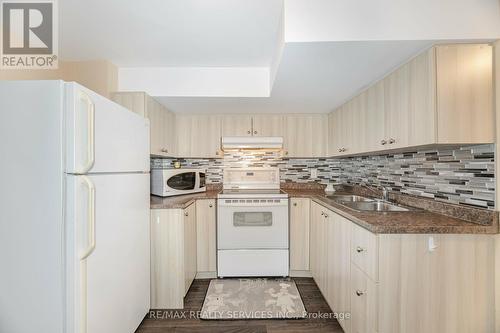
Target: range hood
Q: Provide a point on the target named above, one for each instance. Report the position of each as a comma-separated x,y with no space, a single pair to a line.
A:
252,142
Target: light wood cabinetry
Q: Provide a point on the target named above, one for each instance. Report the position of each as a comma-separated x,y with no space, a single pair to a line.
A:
198,136
306,135
190,251
237,125
339,266
268,125
162,121
465,93
299,234
363,303
318,254
206,237
442,96
395,283
446,289
173,256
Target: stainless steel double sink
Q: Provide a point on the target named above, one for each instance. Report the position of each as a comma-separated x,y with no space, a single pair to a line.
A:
360,203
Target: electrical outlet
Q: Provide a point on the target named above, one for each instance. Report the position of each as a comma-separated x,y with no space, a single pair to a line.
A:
314,173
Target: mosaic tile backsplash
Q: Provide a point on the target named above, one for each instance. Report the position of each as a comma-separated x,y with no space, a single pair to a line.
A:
460,175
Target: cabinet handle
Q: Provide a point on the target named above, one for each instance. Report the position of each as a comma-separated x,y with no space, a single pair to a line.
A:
210,206
340,150
249,132
295,204
164,150
359,249
383,142
359,293
286,152
186,214
326,216
254,132
391,141
322,213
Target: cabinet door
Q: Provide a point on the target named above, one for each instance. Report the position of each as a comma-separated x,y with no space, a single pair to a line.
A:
189,246
339,266
169,133
206,239
465,93
316,217
422,92
345,121
306,135
134,101
167,259
397,106
198,136
268,125
299,234
156,123
363,303
358,124
236,125
375,118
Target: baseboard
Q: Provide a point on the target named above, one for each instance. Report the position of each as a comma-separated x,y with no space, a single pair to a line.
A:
206,275
300,273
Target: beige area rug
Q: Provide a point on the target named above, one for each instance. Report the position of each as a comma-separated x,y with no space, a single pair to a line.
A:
263,298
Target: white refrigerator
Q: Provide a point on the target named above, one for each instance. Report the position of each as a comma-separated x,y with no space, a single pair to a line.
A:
74,214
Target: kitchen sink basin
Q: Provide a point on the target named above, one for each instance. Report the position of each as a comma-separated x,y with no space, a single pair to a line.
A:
376,206
349,198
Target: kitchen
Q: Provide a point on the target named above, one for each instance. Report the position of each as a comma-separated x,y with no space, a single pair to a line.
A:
271,177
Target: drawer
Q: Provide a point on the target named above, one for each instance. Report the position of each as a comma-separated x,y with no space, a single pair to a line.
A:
364,251
364,298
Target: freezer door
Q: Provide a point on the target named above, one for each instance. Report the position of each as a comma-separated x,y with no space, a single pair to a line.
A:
102,136
107,252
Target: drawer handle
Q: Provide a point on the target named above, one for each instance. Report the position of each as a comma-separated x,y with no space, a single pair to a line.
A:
249,132
359,249
359,293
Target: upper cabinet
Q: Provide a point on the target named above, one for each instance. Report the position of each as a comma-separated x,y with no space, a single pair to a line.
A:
198,136
268,125
306,135
162,121
256,125
442,96
237,125
465,94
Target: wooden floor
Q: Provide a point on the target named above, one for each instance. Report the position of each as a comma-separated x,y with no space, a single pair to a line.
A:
186,320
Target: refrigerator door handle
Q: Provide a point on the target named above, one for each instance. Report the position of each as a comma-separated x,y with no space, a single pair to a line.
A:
91,218
91,132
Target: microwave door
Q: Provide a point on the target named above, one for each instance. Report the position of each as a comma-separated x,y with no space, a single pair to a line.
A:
182,182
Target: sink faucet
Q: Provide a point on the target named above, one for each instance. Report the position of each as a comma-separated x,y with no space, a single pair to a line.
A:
385,193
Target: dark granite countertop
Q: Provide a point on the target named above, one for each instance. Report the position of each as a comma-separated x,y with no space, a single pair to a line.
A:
431,217
417,221
181,201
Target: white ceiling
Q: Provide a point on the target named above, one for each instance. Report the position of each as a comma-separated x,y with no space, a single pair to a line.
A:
312,78
170,32
182,51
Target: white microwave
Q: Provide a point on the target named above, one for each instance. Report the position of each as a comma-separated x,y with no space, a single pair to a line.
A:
168,182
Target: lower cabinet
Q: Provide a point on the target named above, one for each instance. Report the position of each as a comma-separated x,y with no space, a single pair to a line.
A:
412,283
299,235
173,256
206,238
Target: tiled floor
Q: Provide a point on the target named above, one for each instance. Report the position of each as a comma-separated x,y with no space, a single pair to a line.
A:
184,321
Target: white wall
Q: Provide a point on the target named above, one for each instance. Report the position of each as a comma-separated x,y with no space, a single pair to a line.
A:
335,20
197,81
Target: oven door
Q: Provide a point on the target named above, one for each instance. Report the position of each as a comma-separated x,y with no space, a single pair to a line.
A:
252,224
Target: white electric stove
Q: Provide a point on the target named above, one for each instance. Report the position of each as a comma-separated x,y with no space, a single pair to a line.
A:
252,224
